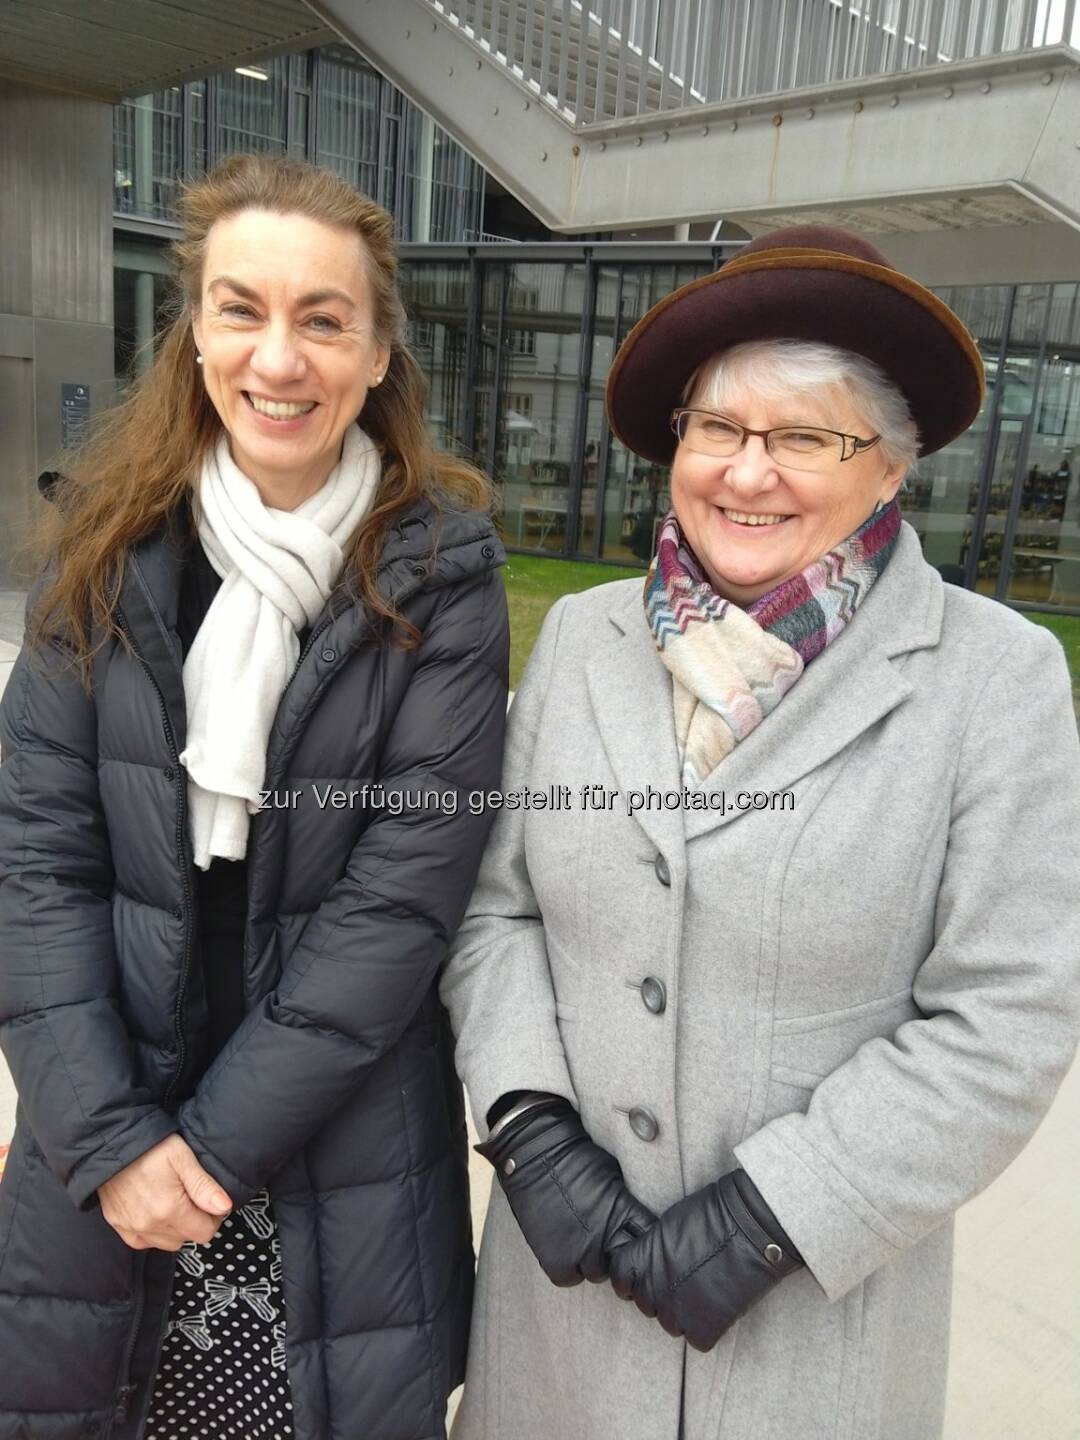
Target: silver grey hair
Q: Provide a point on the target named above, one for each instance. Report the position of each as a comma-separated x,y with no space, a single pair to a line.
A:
780,369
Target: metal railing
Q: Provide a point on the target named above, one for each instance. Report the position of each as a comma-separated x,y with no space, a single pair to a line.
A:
610,59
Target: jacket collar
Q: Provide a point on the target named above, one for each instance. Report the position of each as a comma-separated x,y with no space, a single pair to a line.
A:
853,684
424,549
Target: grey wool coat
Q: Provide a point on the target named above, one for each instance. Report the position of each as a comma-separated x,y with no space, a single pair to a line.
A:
868,1001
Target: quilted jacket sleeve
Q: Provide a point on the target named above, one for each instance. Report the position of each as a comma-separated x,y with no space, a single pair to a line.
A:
60,1028
372,949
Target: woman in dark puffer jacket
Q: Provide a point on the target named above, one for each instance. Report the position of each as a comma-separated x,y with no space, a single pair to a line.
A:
264,671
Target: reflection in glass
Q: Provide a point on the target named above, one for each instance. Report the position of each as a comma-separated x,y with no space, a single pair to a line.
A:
348,119
941,498
636,491
147,153
252,109
366,131
1044,566
534,364
434,296
1006,452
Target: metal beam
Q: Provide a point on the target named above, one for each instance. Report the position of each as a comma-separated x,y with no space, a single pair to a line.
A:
519,139
1004,128
990,140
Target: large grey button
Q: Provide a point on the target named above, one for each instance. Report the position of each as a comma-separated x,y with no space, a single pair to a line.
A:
644,1123
663,874
773,1254
654,994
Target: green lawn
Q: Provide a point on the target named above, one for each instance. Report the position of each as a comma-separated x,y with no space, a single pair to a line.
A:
534,583
1067,630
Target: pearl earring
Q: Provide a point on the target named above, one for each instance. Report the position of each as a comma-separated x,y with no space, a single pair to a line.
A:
198,359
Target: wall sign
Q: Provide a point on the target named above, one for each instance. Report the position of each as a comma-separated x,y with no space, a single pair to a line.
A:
74,414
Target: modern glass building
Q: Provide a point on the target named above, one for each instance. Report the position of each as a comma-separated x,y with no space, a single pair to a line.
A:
517,342
325,105
517,339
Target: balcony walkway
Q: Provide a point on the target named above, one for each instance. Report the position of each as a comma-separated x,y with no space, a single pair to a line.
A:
593,135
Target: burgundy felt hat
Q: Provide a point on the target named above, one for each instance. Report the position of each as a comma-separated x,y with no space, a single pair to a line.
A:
805,282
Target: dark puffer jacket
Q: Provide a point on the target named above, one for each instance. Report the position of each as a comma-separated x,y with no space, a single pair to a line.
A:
337,1090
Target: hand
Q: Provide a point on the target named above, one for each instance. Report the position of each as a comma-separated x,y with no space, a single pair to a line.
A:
567,1194
164,1199
706,1261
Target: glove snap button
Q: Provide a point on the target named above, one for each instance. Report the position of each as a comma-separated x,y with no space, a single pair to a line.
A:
509,1167
773,1254
643,1123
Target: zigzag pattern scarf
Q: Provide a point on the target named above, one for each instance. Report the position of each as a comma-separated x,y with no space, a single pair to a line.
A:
730,667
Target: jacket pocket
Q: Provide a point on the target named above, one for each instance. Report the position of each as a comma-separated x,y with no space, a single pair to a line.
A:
806,1048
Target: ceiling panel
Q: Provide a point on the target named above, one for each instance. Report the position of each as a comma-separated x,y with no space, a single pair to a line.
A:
114,48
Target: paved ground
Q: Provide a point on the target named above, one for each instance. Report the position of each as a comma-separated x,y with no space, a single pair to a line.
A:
1015,1361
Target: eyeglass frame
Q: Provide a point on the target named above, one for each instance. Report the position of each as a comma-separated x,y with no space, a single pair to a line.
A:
858,444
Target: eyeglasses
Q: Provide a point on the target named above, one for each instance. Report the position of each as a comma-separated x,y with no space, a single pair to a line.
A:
800,447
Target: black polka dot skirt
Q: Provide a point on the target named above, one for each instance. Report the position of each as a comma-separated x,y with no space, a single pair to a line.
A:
221,1372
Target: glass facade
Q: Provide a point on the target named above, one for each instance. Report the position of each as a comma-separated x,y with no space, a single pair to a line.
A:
517,348
999,509
327,105
517,342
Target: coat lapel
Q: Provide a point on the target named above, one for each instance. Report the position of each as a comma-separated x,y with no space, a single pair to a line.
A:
848,688
630,692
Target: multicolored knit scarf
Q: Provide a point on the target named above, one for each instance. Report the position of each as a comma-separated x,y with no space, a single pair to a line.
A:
732,666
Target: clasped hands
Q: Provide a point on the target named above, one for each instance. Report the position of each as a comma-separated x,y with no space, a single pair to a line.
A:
695,1269
164,1199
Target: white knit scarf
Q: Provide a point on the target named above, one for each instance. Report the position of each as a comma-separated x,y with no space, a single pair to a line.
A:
278,568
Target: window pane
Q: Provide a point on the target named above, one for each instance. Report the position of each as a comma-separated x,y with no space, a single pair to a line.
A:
941,499
251,108
197,120
636,491
147,153
537,362
435,298
1045,562
348,120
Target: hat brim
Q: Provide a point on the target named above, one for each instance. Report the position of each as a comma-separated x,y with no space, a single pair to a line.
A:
797,294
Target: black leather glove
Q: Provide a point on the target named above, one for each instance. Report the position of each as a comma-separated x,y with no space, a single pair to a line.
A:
706,1260
567,1194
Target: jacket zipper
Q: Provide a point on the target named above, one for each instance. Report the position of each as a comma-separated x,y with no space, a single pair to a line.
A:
181,810
125,1390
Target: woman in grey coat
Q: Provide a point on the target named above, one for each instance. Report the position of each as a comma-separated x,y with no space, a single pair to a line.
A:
789,972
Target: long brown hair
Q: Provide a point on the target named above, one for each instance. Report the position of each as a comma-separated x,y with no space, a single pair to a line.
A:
145,455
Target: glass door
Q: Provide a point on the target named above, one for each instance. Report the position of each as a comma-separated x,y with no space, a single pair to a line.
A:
1008,445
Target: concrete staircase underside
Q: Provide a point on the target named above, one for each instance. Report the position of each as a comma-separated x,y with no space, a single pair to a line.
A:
971,144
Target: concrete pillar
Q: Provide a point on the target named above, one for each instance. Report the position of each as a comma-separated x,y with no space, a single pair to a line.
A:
425,171
56,294
144,321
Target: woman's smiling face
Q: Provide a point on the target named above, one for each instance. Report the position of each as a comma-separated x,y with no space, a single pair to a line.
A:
721,502
286,332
